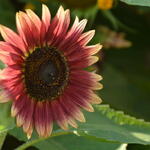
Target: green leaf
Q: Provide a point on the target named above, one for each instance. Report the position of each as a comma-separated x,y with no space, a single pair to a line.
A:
104,125
6,121
73,142
2,65
137,2
63,140
114,126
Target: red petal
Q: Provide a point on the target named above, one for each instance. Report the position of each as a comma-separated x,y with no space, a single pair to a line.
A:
85,76
48,119
55,25
79,99
43,119
14,87
12,38
34,30
18,104
10,73
21,117
46,16
83,63
80,52
70,109
36,20
86,37
73,35
59,115
29,116
24,30
43,34
62,28
6,47
83,83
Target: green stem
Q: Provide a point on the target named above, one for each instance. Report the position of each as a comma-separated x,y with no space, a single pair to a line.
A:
32,142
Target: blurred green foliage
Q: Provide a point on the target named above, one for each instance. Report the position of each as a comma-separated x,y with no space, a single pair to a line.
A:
7,13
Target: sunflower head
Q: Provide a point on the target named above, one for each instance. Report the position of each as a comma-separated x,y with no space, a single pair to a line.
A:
45,77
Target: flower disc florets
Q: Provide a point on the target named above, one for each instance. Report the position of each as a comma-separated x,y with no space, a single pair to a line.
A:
45,73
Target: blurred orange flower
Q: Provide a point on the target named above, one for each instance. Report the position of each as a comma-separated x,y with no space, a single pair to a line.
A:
105,4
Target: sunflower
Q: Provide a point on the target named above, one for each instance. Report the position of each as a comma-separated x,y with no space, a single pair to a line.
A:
45,77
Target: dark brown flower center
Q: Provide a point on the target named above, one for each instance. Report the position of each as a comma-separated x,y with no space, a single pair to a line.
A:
46,73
